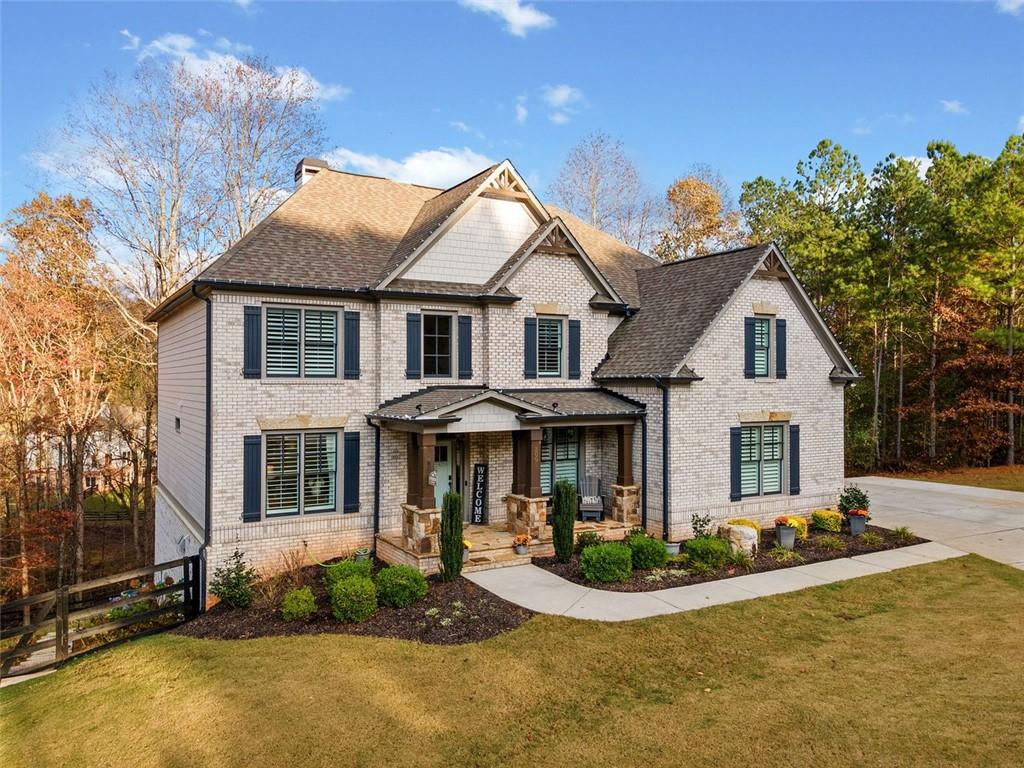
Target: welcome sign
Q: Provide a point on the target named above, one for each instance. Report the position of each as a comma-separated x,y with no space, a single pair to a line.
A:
479,513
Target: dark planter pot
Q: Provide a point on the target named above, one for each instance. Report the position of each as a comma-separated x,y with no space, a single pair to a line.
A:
857,525
522,549
785,535
465,555
363,553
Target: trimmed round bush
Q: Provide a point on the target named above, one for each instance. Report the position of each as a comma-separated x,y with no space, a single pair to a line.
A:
710,551
827,520
587,539
647,552
344,569
612,561
400,585
298,604
353,599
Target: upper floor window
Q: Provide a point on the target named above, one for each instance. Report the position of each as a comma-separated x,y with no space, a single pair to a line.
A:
302,342
549,346
437,345
761,460
762,346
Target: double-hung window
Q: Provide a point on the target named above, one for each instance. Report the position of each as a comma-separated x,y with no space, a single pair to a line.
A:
559,457
762,346
302,342
437,345
549,346
301,472
761,460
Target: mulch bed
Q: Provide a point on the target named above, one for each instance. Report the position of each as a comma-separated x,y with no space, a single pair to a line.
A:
452,613
675,575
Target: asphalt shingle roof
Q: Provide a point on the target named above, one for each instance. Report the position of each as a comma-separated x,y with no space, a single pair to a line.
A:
678,302
560,402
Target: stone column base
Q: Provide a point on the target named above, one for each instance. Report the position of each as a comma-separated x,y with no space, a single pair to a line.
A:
421,529
526,515
626,504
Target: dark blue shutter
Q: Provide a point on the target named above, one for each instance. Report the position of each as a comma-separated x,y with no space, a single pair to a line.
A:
351,480
465,347
253,336
780,349
574,349
251,483
351,345
735,476
413,338
794,459
748,347
530,348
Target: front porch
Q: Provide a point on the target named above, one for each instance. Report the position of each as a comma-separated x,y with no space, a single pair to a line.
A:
491,546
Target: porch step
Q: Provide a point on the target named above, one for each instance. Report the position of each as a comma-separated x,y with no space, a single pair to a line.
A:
492,560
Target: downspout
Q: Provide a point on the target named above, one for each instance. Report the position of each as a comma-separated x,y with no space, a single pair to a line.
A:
208,512
643,470
660,383
376,480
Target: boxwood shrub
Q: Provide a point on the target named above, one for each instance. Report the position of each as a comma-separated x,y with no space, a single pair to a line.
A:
400,585
827,520
612,561
298,604
647,552
353,599
710,551
344,569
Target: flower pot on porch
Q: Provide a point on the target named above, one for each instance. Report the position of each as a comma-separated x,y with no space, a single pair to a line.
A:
785,535
857,524
522,549
465,555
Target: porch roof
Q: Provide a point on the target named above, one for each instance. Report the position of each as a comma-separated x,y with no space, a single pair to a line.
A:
441,405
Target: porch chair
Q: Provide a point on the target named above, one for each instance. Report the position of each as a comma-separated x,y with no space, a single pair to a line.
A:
591,502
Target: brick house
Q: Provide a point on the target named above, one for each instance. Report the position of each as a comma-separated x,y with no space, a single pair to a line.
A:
371,344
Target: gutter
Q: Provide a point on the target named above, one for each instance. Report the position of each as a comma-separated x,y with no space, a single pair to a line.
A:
208,512
376,480
643,471
661,384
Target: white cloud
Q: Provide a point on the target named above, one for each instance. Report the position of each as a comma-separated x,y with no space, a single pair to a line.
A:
1020,123
561,96
559,118
321,91
865,125
133,41
1010,6
228,45
441,167
519,19
953,106
245,5
521,111
459,125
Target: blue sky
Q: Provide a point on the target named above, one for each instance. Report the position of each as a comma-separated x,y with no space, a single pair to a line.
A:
430,91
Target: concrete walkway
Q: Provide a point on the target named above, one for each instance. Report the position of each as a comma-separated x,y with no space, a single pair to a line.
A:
987,522
544,592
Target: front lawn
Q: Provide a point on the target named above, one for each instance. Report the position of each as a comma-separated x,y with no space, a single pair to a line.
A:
1000,478
918,667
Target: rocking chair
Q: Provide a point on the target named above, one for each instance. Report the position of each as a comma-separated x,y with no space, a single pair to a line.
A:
591,502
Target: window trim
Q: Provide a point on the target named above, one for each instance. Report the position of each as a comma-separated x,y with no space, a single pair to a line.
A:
453,341
265,514
338,313
553,461
563,347
783,426
770,373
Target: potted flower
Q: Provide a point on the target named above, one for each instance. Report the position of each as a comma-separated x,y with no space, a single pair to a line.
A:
466,546
522,543
785,532
858,521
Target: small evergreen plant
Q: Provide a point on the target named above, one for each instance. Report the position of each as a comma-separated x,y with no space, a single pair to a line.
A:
232,582
451,536
563,520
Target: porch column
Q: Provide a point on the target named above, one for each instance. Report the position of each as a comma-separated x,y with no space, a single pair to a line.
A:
625,469
427,442
517,463
533,463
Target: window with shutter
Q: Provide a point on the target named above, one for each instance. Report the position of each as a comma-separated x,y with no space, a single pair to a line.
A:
282,474
283,341
319,471
559,457
549,347
437,345
320,343
762,342
761,460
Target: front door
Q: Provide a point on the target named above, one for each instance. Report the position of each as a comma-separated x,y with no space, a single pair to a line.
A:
442,470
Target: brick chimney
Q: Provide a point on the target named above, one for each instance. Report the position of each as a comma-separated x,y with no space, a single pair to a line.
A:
307,168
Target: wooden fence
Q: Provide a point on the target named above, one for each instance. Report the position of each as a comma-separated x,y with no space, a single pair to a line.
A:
83,617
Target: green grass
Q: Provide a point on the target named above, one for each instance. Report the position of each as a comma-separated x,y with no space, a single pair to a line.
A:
1000,478
919,667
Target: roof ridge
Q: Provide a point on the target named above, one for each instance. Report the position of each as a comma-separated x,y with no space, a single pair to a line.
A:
726,252
382,178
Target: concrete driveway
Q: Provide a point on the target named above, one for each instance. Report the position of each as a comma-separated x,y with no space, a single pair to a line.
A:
981,520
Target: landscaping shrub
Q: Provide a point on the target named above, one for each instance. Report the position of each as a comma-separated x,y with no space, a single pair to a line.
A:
827,520
902,534
353,599
451,536
611,561
701,525
872,539
831,543
853,497
344,569
796,522
232,583
710,550
400,585
740,559
699,568
588,539
780,554
745,522
563,518
647,552
298,604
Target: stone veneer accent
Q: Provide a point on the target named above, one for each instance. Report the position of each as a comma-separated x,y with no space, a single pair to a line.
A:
626,504
527,515
421,529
